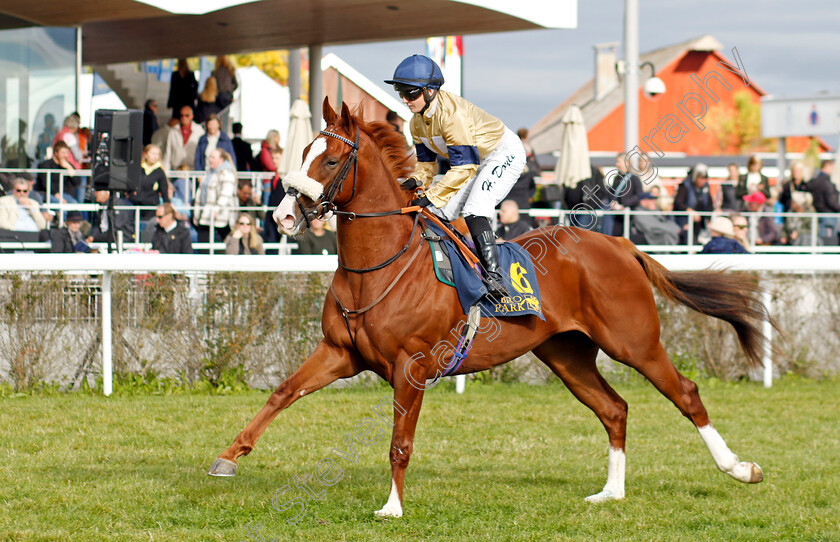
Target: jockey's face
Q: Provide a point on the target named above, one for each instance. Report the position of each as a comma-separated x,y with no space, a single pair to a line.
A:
415,105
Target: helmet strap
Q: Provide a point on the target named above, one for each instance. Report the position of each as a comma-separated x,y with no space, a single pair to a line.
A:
428,96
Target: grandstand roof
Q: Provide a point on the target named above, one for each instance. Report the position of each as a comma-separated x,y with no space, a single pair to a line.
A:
129,30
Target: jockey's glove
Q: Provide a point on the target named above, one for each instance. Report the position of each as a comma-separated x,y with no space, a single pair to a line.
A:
411,184
422,202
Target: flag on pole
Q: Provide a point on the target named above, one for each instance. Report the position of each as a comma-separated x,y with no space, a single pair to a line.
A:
447,52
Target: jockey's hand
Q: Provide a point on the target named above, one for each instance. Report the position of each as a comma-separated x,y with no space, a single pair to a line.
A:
422,202
411,184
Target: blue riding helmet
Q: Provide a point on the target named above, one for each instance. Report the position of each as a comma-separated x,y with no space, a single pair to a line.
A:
417,71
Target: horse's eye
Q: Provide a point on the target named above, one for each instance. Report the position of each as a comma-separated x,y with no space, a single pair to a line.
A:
332,163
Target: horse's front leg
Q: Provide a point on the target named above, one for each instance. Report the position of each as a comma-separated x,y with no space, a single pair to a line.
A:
327,364
408,398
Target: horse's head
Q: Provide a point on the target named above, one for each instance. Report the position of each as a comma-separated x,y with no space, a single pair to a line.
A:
328,176
333,165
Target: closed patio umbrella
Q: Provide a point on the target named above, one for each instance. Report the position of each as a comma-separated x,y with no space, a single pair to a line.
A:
573,163
300,135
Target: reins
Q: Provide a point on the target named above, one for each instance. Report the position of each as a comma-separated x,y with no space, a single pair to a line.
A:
326,205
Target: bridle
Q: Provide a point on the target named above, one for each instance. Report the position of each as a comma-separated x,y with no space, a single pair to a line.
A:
326,203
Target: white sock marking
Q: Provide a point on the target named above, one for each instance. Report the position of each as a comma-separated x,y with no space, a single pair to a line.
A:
392,508
614,488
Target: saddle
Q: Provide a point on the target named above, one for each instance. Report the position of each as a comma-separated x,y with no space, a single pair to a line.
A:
456,265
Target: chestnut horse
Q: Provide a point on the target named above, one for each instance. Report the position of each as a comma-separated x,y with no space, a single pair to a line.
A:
596,294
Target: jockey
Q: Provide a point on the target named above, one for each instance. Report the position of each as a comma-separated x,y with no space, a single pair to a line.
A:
486,157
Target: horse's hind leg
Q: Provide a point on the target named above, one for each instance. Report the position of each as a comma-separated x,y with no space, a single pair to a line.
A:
571,356
683,393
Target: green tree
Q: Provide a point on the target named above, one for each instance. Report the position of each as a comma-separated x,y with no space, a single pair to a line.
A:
739,127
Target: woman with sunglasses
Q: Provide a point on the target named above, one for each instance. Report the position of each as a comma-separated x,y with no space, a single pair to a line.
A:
244,239
486,157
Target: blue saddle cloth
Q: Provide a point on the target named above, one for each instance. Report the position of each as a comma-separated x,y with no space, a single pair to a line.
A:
517,269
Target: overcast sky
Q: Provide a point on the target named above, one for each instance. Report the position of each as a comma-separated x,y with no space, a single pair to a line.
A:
788,48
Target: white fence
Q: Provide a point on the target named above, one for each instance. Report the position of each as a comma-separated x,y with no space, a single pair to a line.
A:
106,264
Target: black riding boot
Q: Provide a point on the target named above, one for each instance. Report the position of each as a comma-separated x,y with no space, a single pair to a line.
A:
485,242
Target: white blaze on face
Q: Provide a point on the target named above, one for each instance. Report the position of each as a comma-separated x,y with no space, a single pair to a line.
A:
286,214
300,179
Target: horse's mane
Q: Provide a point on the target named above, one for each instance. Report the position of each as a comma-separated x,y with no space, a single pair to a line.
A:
392,146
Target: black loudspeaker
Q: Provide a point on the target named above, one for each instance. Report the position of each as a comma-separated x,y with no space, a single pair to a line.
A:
117,150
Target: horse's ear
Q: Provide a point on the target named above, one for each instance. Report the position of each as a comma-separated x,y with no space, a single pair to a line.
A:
329,113
347,117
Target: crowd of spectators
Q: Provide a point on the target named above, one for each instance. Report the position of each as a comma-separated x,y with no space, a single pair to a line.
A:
221,208
769,209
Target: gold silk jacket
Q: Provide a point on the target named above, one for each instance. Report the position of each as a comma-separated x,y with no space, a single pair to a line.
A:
455,129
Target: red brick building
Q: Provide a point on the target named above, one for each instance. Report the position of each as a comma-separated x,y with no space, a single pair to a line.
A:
688,118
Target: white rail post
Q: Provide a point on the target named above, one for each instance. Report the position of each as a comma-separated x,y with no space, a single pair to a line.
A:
460,383
766,299
107,367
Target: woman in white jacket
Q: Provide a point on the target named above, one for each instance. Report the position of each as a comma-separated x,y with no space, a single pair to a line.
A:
216,202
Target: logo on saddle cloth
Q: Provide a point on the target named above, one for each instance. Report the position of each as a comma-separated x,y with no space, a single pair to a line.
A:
526,301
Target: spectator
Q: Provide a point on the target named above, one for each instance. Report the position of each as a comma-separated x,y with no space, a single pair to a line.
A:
69,134
183,89
724,198
825,199
768,233
393,119
693,196
18,211
161,135
225,77
153,186
317,240
216,199
45,140
183,213
242,150
170,236
576,196
150,122
510,223
625,192
70,238
61,161
752,180
182,142
742,229
797,229
269,145
207,103
245,198
722,241
100,228
652,228
213,138
796,183
244,239
276,192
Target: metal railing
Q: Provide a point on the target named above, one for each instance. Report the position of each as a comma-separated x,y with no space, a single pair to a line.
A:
57,179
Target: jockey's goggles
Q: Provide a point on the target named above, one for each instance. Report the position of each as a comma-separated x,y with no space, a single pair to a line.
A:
410,93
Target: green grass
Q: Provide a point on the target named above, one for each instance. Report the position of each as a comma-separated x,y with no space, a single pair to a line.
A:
498,463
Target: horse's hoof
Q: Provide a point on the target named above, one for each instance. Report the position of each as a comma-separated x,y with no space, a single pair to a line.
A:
222,467
388,512
603,497
756,474
747,472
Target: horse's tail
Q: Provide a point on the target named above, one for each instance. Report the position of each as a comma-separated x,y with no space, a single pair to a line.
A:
732,297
